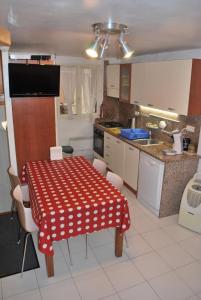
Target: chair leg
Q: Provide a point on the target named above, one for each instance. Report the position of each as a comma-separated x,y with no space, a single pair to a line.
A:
126,240
24,252
19,235
69,252
86,239
12,209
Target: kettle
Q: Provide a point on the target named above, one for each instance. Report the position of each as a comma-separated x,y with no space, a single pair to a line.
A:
178,143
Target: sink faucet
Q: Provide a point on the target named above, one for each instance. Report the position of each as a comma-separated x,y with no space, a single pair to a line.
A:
171,132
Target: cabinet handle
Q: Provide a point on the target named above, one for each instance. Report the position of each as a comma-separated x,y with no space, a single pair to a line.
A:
108,138
107,155
112,85
170,108
130,148
150,105
136,102
108,147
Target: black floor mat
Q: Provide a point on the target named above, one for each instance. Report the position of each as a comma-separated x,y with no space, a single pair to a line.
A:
11,253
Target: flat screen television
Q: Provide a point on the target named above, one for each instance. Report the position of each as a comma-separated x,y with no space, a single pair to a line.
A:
34,80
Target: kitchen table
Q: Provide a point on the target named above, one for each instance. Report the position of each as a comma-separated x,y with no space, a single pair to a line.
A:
70,197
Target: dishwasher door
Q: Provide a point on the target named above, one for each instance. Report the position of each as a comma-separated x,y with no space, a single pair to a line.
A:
150,182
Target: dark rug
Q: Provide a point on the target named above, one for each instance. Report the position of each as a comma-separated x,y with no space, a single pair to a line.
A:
11,254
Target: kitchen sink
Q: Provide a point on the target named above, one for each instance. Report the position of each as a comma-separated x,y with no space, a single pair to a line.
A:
148,142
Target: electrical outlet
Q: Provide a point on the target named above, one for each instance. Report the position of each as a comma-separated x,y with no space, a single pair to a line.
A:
190,128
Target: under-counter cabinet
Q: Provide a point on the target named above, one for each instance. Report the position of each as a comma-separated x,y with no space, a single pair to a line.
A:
112,80
125,83
168,85
114,153
122,159
131,163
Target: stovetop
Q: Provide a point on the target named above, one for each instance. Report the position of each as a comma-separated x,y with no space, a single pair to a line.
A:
111,124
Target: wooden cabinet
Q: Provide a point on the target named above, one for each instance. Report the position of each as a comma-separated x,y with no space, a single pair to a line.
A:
1,76
125,83
131,163
34,128
112,80
168,85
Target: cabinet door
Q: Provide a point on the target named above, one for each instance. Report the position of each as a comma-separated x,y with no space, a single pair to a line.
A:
1,76
113,93
125,82
138,73
113,74
117,157
172,82
131,164
164,85
194,107
114,153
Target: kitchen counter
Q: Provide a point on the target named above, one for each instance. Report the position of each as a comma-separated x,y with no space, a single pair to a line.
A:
153,150
178,170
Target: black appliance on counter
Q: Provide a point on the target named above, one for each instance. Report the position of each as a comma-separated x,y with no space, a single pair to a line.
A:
98,145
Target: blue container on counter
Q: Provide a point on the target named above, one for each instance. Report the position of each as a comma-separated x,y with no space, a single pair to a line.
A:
135,133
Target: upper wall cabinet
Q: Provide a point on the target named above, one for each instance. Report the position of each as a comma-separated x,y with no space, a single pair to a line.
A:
168,85
1,76
113,75
125,83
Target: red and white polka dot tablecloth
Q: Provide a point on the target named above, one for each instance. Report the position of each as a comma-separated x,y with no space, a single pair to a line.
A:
69,197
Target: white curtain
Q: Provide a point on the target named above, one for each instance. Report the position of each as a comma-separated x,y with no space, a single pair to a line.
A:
68,87
82,88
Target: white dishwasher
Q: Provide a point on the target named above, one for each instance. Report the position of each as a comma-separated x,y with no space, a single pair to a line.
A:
150,182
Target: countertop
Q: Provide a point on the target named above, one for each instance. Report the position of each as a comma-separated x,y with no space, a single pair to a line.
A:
154,150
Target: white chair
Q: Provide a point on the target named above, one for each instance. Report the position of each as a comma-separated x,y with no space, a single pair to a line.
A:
56,153
117,181
100,166
25,219
14,181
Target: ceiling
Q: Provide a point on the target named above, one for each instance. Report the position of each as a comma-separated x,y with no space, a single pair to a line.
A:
63,27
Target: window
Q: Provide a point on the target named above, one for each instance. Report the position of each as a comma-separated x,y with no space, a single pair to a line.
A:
81,89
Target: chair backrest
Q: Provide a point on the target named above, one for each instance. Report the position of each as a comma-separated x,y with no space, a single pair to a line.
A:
56,153
115,180
100,166
24,213
14,179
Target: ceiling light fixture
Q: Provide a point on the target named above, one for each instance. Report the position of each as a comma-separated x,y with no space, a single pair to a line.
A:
102,33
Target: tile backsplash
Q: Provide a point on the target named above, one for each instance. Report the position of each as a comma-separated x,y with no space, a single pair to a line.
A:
117,111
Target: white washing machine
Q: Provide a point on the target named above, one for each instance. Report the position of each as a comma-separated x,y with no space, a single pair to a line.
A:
190,208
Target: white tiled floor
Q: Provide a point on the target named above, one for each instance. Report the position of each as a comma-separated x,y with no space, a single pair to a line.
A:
163,261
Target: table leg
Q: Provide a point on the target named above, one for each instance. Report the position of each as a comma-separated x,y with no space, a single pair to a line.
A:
118,243
49,265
